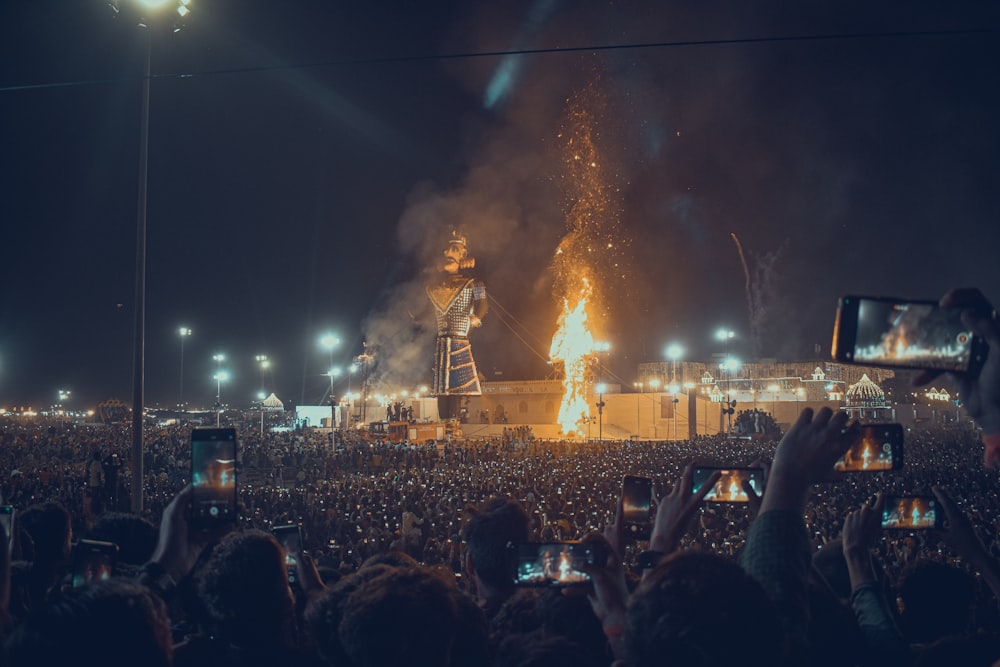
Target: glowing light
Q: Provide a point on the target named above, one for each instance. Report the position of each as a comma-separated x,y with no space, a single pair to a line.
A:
154,4
674,351
183,11
184,332
573,345
221,376
724,334
329,341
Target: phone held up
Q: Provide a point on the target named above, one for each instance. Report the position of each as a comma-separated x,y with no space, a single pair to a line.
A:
290,537
729,488
897,333
637,500
911,513
554,564
880,448
93,560
213,477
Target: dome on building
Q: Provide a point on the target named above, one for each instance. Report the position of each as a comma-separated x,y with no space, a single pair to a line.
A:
272,402
865,393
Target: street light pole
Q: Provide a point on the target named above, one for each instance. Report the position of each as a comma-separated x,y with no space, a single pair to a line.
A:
218,358
600,411
184,333
139,323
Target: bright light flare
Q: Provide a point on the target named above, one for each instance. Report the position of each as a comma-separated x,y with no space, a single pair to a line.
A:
674,351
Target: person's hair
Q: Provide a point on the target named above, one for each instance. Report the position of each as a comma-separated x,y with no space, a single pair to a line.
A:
694,608
244,589
111,623
937,601
394,557
49,527
520,614
491,527
537,650
471,647
135,536
324,612
403,616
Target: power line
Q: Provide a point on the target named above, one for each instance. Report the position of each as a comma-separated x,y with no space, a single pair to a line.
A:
521,52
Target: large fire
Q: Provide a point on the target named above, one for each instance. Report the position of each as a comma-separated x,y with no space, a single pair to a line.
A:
587,262
573,345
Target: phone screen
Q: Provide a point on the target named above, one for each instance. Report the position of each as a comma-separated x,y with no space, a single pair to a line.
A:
213,476
290,537
553,563
729,488
637,496
880,448
910,513
93,561
902,334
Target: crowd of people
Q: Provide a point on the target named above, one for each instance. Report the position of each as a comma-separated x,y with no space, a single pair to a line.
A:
406,549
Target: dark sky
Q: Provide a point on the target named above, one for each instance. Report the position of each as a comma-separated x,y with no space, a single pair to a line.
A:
308,157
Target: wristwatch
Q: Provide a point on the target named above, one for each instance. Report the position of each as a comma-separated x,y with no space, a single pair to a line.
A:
647,560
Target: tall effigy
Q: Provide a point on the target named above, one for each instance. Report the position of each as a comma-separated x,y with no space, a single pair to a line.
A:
460,304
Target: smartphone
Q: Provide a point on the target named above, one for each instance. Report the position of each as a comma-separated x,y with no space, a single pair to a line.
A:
554,563
213,476
880,448
290,537
729,488
7,521
911,513
897,333
637,496
93,560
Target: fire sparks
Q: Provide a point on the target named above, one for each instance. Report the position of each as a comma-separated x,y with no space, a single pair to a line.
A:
573,345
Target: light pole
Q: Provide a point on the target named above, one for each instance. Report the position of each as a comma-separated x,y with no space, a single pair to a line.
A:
333,372
654,384
726,335
147,9
330,342
263,363
638,401
674,389
674,352
351,370
260,397
601,388
218,358
183,332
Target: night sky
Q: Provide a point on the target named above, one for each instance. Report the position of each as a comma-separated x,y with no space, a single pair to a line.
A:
308,159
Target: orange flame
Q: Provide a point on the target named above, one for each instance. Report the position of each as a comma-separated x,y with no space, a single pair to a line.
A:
573,345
